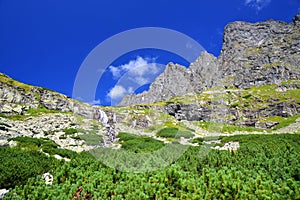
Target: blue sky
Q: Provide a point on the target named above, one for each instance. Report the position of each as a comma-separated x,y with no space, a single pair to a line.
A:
44,42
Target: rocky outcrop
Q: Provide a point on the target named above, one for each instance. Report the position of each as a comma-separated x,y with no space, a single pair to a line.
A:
252,55
18,98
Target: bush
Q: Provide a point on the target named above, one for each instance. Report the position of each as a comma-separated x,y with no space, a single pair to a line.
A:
17,166
61,152
91,138
185,134
197,140
167,132
36,142
174,133
70,131
48,146
264,167
127,136
139,144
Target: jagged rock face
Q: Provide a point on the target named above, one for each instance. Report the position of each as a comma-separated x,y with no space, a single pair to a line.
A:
178,80
260,53
175,80
252,54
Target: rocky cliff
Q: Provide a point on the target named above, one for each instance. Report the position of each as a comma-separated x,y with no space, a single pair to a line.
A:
260,53
252,55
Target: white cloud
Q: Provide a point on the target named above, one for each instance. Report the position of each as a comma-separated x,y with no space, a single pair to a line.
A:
138,67
115,71
133,75
117,92
257,4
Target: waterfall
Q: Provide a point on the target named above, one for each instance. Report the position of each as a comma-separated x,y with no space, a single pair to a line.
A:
108,122
103,117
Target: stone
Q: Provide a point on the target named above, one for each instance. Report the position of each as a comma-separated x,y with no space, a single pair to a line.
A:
3,143
12,143
3,192
18,109
48,178
58,157
229,146
6,108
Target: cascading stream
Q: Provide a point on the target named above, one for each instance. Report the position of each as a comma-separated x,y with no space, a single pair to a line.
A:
108,121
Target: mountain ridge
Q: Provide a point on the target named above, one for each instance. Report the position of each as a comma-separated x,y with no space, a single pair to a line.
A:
252,54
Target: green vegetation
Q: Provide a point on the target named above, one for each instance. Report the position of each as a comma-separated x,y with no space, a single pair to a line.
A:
254,50
41,144
33,143
76,137
274,64
139,144
197,140
91,138
264,167
70,131
30,113
92,131
26,160
17,166
291,82
283,121
174,133
225,128
12,82
50,132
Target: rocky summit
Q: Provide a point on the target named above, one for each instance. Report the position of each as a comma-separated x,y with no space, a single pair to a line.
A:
252,55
